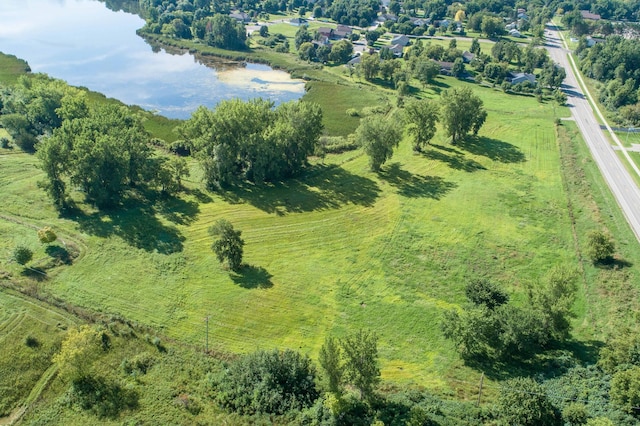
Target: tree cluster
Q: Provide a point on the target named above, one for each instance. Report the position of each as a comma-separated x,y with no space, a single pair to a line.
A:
353,12
491,327
253,140
615,63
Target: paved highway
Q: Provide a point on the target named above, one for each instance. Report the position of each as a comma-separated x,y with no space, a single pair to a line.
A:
616,175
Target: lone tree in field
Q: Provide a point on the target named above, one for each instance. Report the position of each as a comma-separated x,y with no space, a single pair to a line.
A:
22,255
600,247
228,246
422,117
462,112
378,136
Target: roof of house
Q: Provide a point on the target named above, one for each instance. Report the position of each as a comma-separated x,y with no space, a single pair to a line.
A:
401,39
520,77
240,16
468,56
325,30
588,15
344,28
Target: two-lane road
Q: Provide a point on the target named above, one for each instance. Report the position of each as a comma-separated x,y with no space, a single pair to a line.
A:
611,166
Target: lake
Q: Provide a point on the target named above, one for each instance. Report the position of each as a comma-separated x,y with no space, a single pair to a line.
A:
86,44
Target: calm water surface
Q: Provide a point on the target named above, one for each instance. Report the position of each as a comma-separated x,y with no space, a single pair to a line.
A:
86,44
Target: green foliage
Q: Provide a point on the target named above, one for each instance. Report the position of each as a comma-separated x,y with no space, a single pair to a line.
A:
482,292
103,398
422,116
625,389
492,26
575,414
378,136
103,153
226,33
268,382
251,140
79,349
22,255
46,235
524,402
462,112
361,367
330,361
493,328
600,247
341,52
228,246
621,350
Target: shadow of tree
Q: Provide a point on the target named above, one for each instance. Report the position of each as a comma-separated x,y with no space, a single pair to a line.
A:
613,263
455,161
60,255
493,149
415,186
322,187
250,277
137,222
551,363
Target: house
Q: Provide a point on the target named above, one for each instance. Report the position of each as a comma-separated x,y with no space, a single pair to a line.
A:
342,31
325,32
240,16
511,26
588,15
386,17
397,49
521,10
523,16
521,77
446,68
444,23
354,61
401,40
467,57
420,22
592,41
515,33
298,22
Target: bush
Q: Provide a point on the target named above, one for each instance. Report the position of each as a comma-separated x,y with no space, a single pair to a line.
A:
268,382
4,143
353,112
22,255
524,402
31,342
46,235
600,247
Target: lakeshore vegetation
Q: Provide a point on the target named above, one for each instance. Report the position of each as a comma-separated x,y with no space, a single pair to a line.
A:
382,274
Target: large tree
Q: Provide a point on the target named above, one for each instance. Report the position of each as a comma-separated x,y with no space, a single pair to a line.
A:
228,245
226,33
422,116
378,136
462,112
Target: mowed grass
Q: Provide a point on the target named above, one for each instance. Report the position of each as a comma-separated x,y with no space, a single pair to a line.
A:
336,250
337,99
23,362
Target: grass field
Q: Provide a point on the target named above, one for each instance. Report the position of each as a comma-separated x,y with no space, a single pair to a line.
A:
339,249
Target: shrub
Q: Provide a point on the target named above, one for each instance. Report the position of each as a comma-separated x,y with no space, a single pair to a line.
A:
268,382
600,247
31,342
4,143
352,112
46,235
22,255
